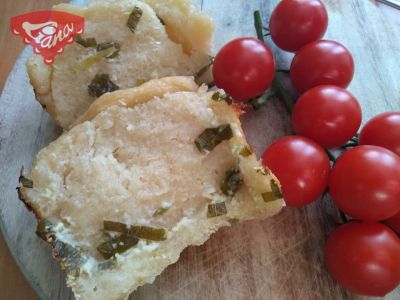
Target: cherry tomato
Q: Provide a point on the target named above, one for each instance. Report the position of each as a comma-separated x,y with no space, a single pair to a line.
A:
301,166
244,68
296,23
365,183
383,130
364,258
322,63
394,223
327,114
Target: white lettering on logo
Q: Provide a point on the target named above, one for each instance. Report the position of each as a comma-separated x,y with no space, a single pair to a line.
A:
46,34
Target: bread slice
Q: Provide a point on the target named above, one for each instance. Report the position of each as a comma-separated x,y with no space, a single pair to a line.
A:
142,163
168,38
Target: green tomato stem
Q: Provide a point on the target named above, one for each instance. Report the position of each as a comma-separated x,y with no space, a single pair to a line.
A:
355,138
281,91
258,25
349,145
277,84
332,157
258,102
284,71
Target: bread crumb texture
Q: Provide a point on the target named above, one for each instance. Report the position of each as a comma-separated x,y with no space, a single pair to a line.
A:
127,163
171,38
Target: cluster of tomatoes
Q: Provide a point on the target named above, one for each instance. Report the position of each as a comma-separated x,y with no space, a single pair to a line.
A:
364,182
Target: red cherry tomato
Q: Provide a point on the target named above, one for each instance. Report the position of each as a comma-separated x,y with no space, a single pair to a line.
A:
327,114
383,130
364,258
301,166
365,183
394,223
322,63
244,68
296,23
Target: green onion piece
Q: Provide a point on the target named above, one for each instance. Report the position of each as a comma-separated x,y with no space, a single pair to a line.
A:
211,137
26,183
275,189
261,171
44,230
275,194
115,226
245,151
216,210
232,182
88,42
269,197
143,232
149,233
108,53
218,97
70,256
109,49
90,60
134,18
100,85
116,245
160,211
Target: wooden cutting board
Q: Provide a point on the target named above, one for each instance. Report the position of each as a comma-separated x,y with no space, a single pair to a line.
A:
279,258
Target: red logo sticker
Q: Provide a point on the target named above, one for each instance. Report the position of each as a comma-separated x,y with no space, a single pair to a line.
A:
48,32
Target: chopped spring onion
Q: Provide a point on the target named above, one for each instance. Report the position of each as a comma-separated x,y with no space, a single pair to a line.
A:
115,226
118,245
104,50
88,42
216,210
218,97
108,49
101,84
70,256
90,60
143,232
149,233
211,137
160,211
275,193
134,18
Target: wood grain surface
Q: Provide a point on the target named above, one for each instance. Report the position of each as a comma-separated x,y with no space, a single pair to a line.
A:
279,258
